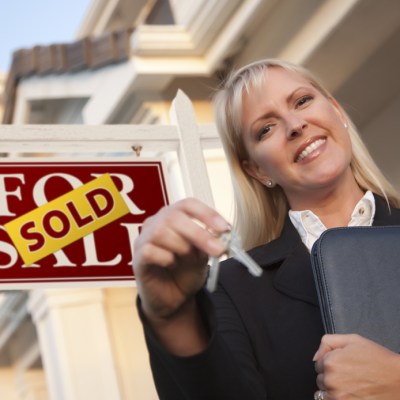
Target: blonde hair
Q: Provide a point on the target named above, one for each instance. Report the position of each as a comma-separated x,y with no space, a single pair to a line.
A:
260,212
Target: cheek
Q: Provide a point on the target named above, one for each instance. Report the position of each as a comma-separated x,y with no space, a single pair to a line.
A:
270,162
346,141
349,152
270,155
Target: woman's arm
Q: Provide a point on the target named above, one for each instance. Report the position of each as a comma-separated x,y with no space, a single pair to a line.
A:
225,369
170,263
190,358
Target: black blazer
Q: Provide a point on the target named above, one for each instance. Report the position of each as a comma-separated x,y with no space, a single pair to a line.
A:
264,331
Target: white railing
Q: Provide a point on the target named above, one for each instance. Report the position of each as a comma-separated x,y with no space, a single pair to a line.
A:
184,135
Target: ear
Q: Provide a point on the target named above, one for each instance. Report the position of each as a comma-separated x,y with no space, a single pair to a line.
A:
339,110
254,171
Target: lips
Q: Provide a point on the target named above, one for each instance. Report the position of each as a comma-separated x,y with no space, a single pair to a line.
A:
308,147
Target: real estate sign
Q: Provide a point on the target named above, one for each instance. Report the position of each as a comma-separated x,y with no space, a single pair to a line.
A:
74,223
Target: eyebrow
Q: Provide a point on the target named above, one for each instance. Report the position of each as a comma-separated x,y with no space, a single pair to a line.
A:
270,114
290,97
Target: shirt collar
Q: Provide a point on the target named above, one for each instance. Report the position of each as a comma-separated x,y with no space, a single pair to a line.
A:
310,226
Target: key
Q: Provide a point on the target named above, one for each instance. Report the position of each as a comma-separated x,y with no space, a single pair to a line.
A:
213,274
236,251
214,264
233,244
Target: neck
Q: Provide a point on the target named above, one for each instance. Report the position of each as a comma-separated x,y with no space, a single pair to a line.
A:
333,206
336,210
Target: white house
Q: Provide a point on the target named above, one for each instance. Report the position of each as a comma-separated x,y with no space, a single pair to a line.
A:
125,67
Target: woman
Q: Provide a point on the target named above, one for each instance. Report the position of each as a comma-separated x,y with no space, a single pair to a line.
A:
298,167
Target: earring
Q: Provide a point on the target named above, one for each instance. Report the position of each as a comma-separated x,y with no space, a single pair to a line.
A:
269,183
345,125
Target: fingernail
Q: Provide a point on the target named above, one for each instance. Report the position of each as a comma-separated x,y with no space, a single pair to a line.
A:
220,224
315,358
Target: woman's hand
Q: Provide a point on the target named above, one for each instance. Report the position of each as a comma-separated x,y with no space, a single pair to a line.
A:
352,367
170,263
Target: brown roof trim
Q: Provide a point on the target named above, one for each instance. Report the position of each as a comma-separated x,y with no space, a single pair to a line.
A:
87,53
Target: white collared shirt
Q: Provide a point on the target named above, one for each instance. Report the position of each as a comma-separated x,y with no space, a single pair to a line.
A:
310,226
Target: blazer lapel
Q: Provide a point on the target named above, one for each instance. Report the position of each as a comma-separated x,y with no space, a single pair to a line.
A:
385,215
294,276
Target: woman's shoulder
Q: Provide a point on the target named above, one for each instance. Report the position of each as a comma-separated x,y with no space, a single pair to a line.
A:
385,214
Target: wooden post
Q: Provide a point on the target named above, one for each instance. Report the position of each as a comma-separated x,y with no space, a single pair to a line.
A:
190,151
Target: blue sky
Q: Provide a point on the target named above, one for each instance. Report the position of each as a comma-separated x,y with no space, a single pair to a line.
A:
26,23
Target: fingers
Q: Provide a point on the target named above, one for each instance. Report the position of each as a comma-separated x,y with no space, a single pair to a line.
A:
328,344
324,348
197,224
204,214
321,382
332,342
200,225
326,359
182,229
351,366
340,340
169,239
177,230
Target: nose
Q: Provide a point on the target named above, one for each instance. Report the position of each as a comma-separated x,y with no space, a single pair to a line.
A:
295,127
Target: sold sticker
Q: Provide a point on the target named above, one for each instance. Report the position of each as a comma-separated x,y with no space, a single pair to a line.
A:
66,219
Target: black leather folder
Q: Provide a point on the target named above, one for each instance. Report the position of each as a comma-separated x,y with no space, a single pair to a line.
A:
357,275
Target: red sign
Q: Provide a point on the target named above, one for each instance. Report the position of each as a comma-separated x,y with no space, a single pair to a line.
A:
104,256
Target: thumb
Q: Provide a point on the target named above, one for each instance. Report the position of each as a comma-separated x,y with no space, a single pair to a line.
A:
332,342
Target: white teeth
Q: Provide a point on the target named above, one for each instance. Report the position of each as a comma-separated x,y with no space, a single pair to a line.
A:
310,148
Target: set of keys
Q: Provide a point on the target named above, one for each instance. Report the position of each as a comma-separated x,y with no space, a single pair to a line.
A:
233,244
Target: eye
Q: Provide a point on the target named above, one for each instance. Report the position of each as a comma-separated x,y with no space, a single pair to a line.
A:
303,100
265,130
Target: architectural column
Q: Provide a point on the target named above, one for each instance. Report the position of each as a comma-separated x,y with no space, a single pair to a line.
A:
32,385
130,352
75,344
7,383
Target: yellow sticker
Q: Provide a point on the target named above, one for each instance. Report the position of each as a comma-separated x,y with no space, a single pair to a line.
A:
64,220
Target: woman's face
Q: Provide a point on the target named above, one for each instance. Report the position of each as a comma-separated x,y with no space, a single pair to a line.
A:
296,137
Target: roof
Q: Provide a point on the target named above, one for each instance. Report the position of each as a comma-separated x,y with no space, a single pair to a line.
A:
86,53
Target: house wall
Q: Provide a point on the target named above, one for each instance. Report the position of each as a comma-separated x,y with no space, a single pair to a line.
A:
3,78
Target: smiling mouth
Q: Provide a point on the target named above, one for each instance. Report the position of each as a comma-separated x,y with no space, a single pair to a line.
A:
309,149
